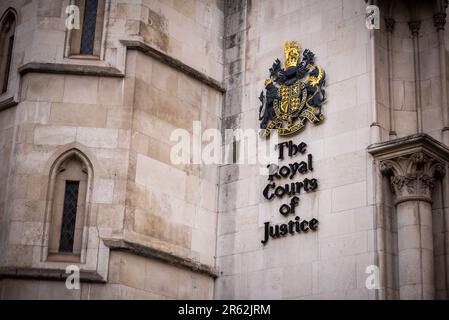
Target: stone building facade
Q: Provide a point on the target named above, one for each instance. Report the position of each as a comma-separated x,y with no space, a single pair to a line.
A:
86,115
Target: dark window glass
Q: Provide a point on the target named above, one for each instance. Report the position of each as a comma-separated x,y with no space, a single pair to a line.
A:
89,23
69,216
8,64
234,151
6,47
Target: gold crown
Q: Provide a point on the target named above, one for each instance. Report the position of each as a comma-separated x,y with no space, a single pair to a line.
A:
267,82
292,50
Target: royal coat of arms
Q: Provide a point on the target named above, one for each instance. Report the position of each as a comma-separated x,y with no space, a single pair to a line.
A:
294,95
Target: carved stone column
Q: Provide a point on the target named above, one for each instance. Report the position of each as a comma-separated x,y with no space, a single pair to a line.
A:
413,166
412,180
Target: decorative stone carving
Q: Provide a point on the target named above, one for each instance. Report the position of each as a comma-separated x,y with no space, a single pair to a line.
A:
439,19
414,27
412,176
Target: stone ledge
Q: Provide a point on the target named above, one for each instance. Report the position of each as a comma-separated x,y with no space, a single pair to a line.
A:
7,103
149,252
47,274
70,69
175,63
409,144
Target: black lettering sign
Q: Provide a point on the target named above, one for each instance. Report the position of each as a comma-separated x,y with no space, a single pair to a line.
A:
278,189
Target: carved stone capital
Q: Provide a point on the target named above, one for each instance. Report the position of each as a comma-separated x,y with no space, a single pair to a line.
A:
413,165
412,176
389,24
414,27
439,20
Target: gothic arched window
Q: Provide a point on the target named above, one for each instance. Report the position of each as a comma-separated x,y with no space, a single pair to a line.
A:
86,40
69,185
7,28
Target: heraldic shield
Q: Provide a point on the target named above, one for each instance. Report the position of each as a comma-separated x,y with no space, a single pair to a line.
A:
293,95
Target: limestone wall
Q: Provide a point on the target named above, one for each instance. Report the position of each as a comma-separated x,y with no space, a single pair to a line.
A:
331,262
132,277
122,123
7,134
57,113
156,229
171,206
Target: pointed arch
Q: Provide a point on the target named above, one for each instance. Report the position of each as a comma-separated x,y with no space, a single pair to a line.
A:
8,23
69,193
